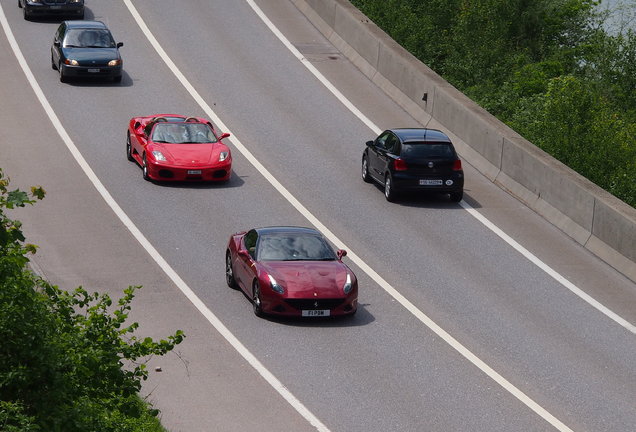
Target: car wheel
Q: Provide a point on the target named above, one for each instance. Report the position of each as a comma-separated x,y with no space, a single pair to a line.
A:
144,168
256,300
457,196
389,190
129,148
19,4
229,271
53,65
365,170
26,14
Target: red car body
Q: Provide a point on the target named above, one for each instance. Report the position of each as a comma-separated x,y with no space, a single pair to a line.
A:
290,287
181,158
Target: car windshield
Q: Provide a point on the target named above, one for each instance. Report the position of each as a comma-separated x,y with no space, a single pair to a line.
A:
294,247
89,38
183,133
427,150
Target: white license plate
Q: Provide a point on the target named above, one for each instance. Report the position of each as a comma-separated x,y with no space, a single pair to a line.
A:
317,312
194,171
430,182
93,70
56,7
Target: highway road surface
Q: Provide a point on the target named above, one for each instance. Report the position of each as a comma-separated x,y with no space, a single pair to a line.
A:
456,329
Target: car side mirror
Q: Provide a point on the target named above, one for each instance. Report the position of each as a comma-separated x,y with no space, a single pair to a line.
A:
120,44
341,253
369,143
56,43
224,135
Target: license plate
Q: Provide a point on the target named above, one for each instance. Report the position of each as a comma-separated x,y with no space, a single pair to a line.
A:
430,182
317,312
93,70
56,7
194,171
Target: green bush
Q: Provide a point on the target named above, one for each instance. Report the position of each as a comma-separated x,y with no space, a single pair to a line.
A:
68,360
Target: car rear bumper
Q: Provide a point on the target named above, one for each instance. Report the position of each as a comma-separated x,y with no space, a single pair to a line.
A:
75,9
453,182
220,172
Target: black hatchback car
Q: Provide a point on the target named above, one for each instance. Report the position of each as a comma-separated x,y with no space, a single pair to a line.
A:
414,160
67,8
86,49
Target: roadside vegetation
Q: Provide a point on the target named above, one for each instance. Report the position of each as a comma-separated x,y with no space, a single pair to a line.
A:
68,360
547,68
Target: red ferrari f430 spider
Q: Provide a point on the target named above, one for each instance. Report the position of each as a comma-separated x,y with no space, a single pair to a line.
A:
178,148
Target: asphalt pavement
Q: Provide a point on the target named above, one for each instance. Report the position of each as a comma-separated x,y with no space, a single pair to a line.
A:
380,370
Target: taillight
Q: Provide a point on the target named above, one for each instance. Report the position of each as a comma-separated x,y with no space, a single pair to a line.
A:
399,164
457,165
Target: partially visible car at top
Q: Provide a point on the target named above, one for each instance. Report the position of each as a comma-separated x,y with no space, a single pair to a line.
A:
67,8
415,159
290,271
178,148
86,49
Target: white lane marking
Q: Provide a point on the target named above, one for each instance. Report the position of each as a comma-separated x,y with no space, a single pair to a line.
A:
481,218
180,283
332,237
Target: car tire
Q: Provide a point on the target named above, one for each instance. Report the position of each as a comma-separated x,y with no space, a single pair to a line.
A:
389,190
117,79
19,4
457,196
63,77
365,170
129,148
256,300
53,65
229,271
144,168
26,15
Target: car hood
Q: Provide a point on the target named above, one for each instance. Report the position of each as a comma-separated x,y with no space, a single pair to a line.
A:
91,54
309,279
190,154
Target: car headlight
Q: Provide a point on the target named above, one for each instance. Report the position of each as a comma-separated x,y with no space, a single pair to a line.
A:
71,62
114,63
347,286
75,1
275,286
223,156
158,155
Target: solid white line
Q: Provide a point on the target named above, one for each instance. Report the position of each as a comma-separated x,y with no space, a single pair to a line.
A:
207,313
330,235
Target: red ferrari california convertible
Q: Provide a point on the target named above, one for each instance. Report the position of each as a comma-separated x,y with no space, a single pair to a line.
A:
290,271
174,147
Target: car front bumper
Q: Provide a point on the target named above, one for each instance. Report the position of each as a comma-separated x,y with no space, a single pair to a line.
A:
92,71
164,172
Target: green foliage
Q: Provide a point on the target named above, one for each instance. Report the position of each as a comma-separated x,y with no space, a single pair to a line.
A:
547,68
68,360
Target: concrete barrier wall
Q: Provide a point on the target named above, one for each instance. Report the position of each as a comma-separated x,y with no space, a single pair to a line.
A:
593,217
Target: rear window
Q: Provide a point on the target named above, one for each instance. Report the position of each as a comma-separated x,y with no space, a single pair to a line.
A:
428,150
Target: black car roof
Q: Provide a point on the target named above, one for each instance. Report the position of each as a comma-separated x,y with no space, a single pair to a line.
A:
286,230
420,135
85,24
